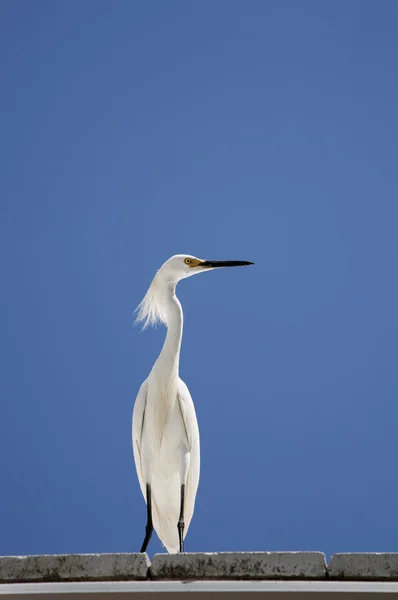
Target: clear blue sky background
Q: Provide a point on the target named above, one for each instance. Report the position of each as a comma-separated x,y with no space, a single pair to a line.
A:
263,131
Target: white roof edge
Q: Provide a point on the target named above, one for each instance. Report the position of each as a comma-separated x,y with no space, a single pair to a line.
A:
327,590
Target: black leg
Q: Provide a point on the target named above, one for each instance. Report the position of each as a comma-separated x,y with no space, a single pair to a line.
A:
181,523
149,525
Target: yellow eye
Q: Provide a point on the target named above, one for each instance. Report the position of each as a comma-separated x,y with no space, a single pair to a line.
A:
187,261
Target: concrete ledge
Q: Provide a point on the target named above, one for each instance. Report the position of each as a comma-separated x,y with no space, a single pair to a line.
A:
74,567
239,565
373,566
210,567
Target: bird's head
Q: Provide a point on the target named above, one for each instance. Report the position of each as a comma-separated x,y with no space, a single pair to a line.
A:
151,309
180,266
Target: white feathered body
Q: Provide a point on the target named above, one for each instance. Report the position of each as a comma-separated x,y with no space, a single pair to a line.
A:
166,451
165,429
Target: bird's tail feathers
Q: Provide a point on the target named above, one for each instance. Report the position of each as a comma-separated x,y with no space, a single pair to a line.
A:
165,514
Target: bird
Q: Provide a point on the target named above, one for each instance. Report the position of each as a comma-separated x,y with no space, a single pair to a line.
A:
165,432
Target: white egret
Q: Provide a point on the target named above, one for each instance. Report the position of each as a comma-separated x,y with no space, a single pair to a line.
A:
165,429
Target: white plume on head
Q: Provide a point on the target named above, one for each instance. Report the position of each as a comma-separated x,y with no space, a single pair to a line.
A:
150,310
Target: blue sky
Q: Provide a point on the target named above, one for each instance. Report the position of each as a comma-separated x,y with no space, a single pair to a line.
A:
262,131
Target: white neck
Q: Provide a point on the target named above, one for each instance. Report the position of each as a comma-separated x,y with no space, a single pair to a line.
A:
169,357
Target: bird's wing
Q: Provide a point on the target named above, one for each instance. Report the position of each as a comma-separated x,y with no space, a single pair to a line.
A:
192,431
138,424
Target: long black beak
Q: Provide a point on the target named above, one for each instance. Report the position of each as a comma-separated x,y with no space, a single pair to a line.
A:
215,264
